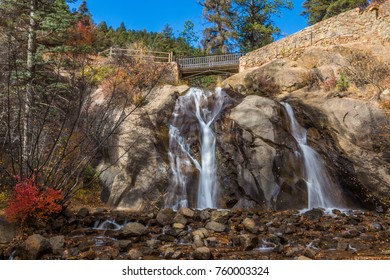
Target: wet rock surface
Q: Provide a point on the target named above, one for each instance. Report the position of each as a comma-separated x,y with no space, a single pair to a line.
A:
315,234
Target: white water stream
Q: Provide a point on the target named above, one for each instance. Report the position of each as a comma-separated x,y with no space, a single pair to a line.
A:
320,186
204,106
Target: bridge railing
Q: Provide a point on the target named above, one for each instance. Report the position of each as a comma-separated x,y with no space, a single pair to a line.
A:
147,55
211,61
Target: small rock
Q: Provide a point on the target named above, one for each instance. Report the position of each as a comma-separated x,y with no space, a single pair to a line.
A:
212,241
124,245
176,255
169,253
385,252
88,255
153,243
86,245
70,253
350,233
314,214
250,225
215,226
202,232
205,215
294,251
235,240
83,212
290,229
310,253
165,217
342,245
202,253
134,254
59,223
173,232
146,251
303,258
187,212
68,213
198,242
113,252
133,230
220,216
36,246
178,226
179,218
166,238
375,226
72,220
57,243
249,241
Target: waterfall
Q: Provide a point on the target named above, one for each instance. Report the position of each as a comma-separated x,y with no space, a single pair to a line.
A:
194,115
320,186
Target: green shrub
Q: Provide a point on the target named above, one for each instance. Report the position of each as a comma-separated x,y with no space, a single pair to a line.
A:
3,199
96,75
342,83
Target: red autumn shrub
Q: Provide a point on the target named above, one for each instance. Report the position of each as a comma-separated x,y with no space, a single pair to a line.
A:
330,83
30,202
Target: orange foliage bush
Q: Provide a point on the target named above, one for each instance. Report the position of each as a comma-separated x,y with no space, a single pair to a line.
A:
83,33
31,202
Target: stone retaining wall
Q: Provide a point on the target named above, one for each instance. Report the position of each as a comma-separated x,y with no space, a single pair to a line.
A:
370,26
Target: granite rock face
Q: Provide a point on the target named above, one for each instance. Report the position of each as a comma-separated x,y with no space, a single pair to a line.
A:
129,171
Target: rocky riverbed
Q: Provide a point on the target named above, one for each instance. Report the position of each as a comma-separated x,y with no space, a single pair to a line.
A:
206,234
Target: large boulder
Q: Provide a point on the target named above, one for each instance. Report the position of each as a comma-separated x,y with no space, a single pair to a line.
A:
270,78
139,150
257,159
36,246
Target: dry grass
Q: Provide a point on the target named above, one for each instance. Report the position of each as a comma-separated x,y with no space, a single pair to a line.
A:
362,68
385,105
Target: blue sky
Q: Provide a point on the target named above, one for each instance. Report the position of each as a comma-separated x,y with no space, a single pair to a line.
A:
152,15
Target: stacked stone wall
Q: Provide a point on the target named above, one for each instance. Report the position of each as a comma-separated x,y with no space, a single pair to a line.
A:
371,26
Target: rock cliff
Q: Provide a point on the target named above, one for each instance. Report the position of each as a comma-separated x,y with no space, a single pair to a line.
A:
346,127
135,171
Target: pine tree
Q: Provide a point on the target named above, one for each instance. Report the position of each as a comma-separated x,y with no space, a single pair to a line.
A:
254,25
218,38
317,10
188,33
121,39
83,9
167,32
103,39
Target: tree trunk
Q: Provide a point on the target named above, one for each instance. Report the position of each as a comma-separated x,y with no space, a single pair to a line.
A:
31,49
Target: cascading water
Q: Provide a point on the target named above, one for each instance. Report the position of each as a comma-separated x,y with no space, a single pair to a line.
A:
194,115
320,186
